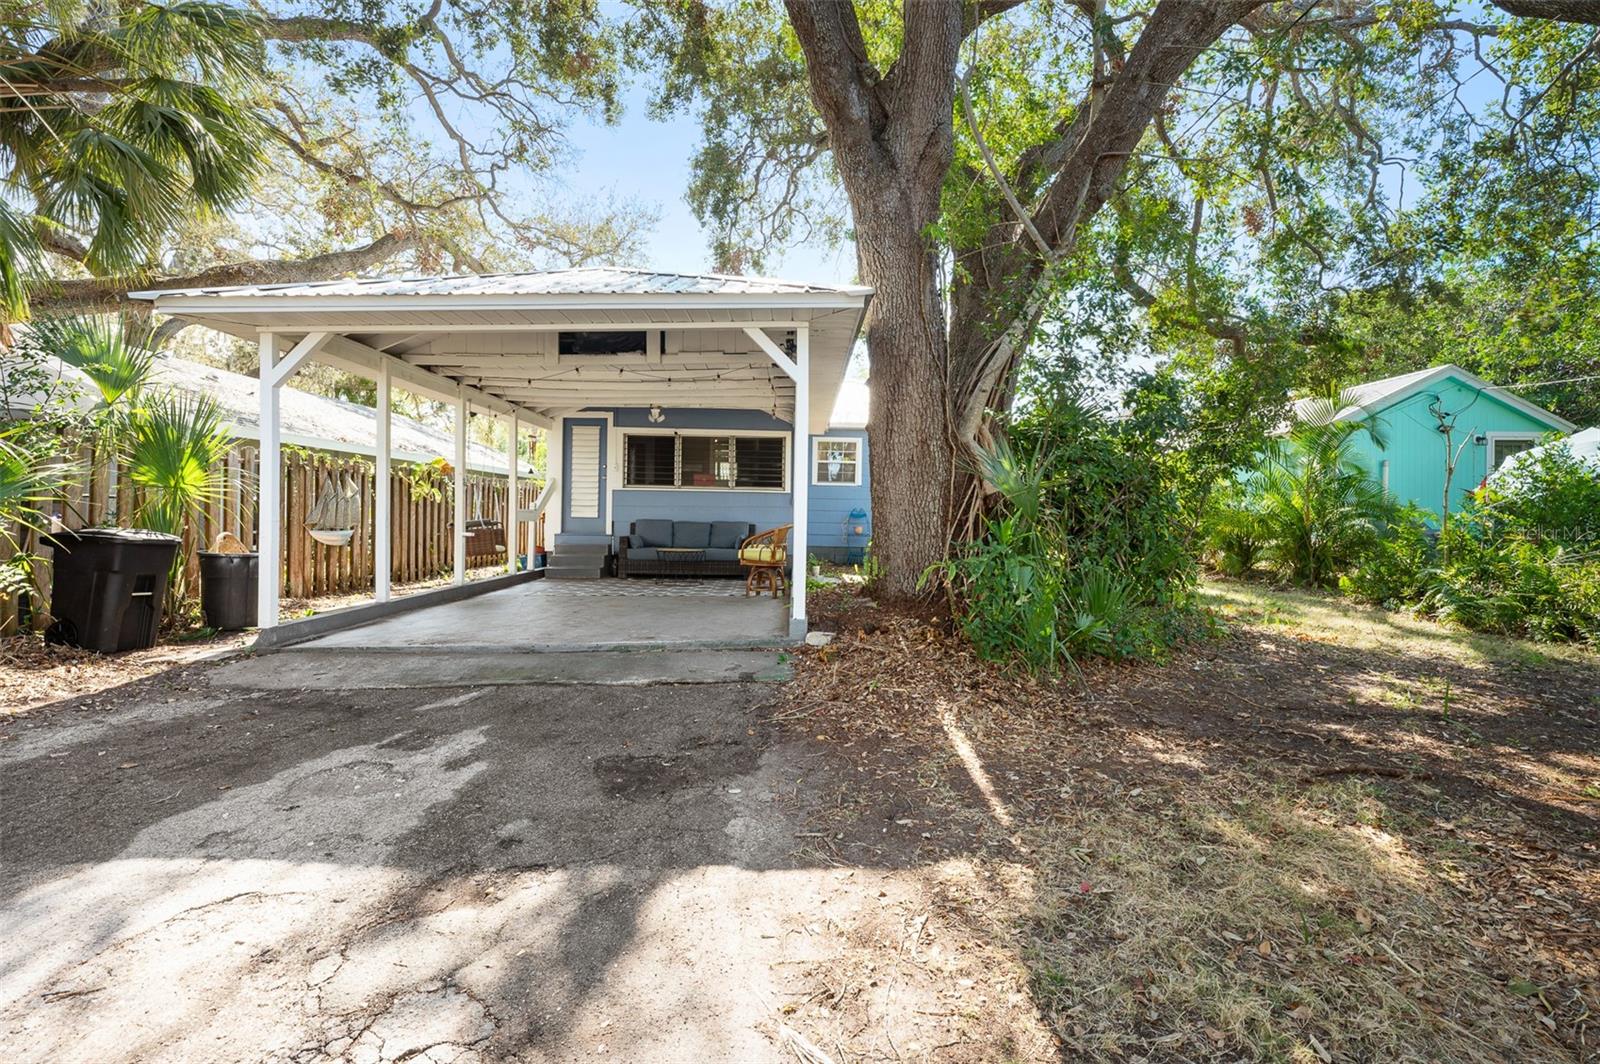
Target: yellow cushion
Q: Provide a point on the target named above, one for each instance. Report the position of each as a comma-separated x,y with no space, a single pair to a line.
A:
763,555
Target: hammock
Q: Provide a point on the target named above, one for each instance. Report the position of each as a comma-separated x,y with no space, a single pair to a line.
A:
333,517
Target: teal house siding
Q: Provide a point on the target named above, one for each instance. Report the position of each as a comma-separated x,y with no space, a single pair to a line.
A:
1412,461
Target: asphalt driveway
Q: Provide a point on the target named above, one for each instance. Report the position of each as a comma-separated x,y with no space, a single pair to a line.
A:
211,869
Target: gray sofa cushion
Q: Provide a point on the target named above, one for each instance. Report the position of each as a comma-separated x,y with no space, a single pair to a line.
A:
653,532
691,534
643,554
727,535
722,554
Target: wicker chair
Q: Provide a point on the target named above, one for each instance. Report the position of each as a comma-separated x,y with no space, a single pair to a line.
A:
764,555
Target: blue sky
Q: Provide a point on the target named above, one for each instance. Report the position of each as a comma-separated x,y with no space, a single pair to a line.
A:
649,161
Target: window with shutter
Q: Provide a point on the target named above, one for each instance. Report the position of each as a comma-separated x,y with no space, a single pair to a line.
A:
650,462
758,461
660,460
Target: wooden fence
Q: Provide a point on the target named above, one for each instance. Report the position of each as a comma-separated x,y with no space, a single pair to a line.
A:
422,510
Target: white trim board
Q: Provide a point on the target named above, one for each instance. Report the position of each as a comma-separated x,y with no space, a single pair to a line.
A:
1491,438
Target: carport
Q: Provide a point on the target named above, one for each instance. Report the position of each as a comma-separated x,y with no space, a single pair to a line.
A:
496,346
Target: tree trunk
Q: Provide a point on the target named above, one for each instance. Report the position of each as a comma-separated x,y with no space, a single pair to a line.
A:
911,455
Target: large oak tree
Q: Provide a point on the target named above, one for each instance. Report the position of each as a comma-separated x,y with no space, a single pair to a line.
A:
997,155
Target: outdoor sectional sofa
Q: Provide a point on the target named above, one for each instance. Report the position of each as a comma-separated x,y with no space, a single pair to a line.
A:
717,543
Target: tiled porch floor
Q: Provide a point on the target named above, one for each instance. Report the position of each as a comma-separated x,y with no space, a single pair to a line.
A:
581,615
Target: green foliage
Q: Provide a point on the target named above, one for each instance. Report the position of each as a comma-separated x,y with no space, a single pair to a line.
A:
1517,586
1082,554
1552,496
174,451
1522,559
116,355
150,118
1307,507
1396,570
31,477
1235,529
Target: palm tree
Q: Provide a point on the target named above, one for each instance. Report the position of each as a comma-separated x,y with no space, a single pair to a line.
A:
175,451
118,119
1317,506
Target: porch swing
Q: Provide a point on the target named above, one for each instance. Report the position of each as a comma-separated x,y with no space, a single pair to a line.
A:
334,516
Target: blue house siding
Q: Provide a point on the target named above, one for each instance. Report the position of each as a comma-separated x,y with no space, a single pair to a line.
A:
831,532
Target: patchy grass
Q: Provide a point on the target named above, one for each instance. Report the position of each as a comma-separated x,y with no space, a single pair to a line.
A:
1331,834
1343,622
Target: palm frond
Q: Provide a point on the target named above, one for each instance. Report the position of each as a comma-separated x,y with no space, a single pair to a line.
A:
174,451
115,356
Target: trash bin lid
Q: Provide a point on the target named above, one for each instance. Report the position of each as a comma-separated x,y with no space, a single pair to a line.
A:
119,535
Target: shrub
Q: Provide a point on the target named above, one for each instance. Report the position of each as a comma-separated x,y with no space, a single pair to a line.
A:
1235,535
1516,585
1397,568
1307,507
1083,552
1552,496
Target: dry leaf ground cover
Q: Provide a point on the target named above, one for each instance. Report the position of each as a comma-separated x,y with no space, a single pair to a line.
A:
35,674
1329,833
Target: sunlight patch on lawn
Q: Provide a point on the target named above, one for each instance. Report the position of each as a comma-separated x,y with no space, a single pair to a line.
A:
1328,618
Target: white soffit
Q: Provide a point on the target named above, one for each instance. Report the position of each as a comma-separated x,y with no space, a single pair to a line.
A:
431,318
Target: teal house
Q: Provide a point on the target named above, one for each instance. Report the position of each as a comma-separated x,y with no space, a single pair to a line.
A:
1417,413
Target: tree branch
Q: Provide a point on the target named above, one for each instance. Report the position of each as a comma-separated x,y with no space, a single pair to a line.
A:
1583,11
111,293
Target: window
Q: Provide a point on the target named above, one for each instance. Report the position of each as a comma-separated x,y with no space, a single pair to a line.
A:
758,461
650,462
600,343
836,461
1503,447
707,461
658,460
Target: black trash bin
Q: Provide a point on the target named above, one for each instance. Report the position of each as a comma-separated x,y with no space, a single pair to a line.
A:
228,589
109,586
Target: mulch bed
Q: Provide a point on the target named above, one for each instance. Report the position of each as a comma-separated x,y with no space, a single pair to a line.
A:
35,675
1497,764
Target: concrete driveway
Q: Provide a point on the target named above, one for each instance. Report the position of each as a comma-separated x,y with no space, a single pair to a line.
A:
215,868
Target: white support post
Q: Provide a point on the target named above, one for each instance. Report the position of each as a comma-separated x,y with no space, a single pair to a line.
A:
460,531
513,526
800,480
269,496
383,542
554,464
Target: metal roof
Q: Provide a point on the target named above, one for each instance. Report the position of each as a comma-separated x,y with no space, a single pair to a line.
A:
497,336
586,280
1374,396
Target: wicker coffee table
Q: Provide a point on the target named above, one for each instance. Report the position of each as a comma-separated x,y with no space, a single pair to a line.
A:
680,561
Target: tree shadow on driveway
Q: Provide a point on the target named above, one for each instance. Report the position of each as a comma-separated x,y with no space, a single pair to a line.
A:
510,872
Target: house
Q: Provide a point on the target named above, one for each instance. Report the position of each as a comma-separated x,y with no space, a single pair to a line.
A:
694,464
687,397
840,495
1486,425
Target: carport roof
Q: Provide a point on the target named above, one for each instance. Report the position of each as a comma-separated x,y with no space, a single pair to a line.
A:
586,280
493,334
